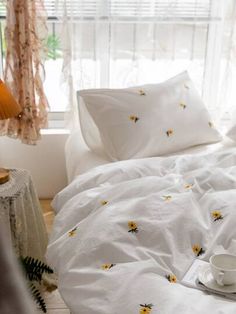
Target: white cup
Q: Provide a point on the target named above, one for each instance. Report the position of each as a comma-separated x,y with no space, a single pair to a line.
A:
223,269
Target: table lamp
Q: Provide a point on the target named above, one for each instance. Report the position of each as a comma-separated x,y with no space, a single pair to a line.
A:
9,108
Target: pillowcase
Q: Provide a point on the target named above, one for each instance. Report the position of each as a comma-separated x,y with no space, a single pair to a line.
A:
89,129
150,120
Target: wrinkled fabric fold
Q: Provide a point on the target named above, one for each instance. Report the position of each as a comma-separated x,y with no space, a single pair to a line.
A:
126,233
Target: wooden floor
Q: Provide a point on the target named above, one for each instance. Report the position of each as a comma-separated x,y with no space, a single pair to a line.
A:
48,213
54,302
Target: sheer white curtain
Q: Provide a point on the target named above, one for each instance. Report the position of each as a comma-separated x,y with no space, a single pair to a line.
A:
119,43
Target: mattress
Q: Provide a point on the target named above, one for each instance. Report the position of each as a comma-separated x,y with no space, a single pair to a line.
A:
79,158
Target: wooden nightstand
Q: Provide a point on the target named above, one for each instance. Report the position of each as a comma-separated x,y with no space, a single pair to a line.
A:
21,214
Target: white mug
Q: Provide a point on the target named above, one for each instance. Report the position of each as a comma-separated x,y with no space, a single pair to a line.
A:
223,269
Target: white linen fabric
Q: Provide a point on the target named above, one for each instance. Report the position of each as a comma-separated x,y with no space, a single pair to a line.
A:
232,133
232,130
150,120
79,158
89,130
126,232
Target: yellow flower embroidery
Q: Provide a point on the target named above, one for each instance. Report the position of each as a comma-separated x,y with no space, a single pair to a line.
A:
72,233
197,250
132,227
142,92
107,266
182,105
169,132
145,308
104,202
211,125
216,215
134,118
188,186
171,278
167,198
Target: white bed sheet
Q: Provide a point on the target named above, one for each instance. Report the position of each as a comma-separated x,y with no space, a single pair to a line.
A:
79,158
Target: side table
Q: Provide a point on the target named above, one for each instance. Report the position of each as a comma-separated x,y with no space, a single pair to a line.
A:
21,214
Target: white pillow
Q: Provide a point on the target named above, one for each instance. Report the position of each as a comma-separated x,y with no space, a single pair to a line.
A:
89,129
150,120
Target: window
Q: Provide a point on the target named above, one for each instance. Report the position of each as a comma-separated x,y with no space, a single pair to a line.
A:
53,68
118,43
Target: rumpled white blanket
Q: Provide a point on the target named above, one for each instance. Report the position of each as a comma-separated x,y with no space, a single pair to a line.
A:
126,233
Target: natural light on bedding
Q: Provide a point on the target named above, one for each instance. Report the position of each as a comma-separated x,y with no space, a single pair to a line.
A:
118,156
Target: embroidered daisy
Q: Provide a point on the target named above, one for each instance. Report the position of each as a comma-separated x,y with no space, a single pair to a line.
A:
104,202
72,232
216,215
142,92
188,186
134,118
197,250
145,308
171,278
107,266
182,105
132,227
167,198
169,132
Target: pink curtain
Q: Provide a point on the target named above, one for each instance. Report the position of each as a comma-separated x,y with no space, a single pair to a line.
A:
24,71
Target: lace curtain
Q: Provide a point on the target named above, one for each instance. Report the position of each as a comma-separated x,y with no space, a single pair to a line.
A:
24,72
111,43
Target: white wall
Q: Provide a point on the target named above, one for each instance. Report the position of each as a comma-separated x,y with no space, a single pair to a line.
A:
45,161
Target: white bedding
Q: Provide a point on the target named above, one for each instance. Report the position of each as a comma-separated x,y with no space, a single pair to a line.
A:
123,229
79,158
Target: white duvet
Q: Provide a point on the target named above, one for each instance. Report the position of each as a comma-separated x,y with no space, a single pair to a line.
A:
126,233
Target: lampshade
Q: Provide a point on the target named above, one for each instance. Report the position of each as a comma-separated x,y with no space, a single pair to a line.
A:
9,108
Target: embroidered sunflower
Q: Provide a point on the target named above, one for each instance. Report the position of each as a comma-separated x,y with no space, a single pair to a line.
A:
104,202
167,198
72,232
211,125
134,118
188,186
171,278
197,250
169,132
216,215
145,308
182,105
142,92
132,227
107,266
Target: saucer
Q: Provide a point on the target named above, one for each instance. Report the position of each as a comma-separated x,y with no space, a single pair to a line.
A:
206,278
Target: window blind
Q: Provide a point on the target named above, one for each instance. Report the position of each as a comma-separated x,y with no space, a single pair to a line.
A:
130,10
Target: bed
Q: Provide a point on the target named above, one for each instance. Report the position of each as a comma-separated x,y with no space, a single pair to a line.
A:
126,232
79,158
